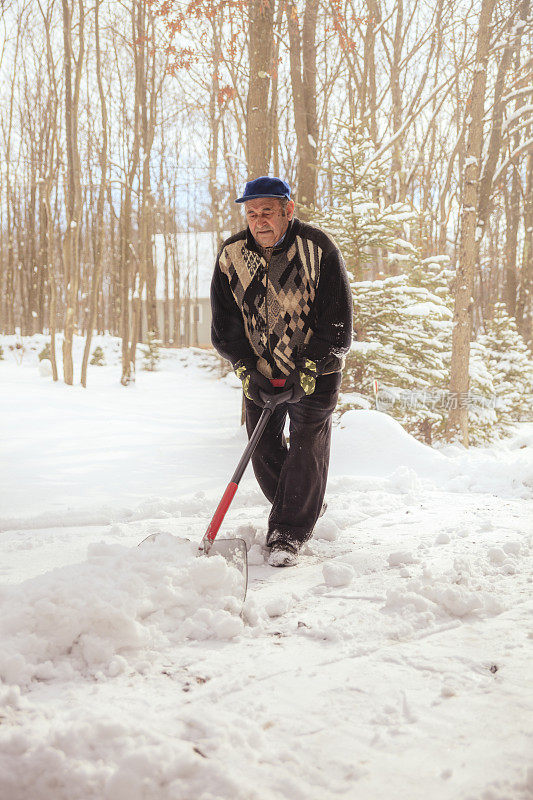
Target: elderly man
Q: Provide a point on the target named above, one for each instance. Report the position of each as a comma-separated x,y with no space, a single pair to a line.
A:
282,309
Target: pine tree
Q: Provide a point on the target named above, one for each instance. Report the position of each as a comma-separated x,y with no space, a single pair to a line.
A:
403,323
481,396
358,218
404,338
98,358
511,367
404,330
152,354
45,352
404,342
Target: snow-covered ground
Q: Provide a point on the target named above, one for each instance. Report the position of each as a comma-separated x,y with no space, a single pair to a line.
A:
393,662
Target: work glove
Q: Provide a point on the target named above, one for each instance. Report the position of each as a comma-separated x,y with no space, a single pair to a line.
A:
253,382
302,380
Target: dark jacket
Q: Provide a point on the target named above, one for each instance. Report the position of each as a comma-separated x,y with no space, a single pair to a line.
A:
280,308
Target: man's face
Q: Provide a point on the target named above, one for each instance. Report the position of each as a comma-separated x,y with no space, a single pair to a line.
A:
267,220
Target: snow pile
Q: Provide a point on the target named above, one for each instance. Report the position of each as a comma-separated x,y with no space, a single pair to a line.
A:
279,605
440,599
337,574
505,469
423,601
45,368
371,443
327,530
92,755
116,610
402,557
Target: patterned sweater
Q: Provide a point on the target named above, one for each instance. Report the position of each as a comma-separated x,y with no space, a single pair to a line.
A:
276,307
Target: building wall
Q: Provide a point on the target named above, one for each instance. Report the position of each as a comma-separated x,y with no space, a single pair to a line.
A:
195,328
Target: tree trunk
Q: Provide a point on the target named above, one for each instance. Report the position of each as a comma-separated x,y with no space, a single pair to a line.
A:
512,197
214,132
303,80
512,219
524,304
368,83
73,194
274,108
457,423
495,139
148,121
397,193
97,274
260,47
52,286
9,320
126,247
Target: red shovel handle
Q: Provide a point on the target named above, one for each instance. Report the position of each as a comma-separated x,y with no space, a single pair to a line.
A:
220,513
271,401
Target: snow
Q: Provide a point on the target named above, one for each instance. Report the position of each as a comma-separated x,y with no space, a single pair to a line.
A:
336,574
519,112
382,448
45,368
427,309
120,607
395,659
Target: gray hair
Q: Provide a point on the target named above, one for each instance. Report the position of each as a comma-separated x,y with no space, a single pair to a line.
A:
283,201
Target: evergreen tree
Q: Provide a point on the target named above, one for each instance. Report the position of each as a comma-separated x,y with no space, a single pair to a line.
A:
403,323
45,352
358,218
511,367
481,397
98,358
403,342
152,354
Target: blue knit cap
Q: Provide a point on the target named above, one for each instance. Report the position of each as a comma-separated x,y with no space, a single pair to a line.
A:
265,187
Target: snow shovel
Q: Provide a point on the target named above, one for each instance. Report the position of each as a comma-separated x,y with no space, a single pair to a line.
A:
234,550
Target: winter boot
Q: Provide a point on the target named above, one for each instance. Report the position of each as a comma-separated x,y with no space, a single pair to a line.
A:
283,550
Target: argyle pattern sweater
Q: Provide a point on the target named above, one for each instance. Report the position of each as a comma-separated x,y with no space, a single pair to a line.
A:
275,307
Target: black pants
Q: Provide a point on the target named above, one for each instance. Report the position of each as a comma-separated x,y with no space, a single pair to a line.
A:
294,478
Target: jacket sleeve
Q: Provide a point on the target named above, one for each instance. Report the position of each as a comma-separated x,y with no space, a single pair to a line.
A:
332,317
227,325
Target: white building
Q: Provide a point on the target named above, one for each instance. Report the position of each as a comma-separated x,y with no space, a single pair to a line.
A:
187,262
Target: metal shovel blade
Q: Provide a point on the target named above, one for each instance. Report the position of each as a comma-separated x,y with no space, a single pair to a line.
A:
235,553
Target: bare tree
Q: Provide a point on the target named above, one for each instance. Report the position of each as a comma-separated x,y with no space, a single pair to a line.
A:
71,241
303,78
102,192
128,256
8,315
258,133
457,423
524,304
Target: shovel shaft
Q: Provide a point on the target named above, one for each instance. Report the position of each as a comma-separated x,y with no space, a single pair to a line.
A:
220,513
252,444
233,485
271,401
